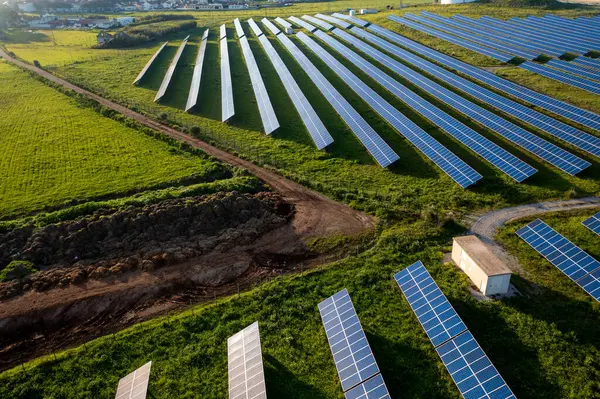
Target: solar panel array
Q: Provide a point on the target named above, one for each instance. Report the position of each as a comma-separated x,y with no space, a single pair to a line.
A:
593,223
303,24
265,108
149,64
561,77
353,357
134,385
245,365
576,264
222,32
283,22
554,155
379,149
336,21
524,94
274,30
318,132
373,388
254,27
457,169
238,28
574,69
227,109
497,156
470,368
170,71
353,20
569,134
196,77
318,22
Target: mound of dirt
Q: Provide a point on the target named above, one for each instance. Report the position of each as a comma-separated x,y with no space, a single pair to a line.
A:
110,243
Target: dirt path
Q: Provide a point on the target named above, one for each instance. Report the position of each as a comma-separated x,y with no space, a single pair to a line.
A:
316,214
486,226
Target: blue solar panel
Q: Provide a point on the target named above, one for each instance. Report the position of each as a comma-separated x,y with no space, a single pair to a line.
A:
437,316
571,135
532,97
497,156
351,352
315,127
554,155
572,34
589,63
373,388
562,253
593,223
562,77
498,55
377,147
516,51
462,173
566,66
471,369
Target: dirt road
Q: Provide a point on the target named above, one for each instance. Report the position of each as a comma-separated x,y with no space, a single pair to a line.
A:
316,214
486,226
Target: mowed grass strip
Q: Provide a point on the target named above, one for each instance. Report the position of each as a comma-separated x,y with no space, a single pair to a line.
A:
55,151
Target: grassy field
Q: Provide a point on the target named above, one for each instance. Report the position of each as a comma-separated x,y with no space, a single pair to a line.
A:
55,151
545,342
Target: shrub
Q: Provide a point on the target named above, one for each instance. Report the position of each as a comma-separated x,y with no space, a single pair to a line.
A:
195,130
17,269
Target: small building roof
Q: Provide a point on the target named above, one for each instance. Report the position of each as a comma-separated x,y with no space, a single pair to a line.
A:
480,253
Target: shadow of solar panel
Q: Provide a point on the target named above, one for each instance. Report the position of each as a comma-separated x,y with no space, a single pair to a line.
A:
303,24
373,388
245,366
336,21
593,223
134,385
567,257
564,109
351,352
437,316
149,64
471,369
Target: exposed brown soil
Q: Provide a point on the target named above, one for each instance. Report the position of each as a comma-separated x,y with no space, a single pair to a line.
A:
63,317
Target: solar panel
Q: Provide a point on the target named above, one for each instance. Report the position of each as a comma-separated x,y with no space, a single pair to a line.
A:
497,156
227,109
471,369
195,85
589,63
569,67
554,155
265,108
134,385
524,94
255,27
351,352
436,315
283,22
534,118
336,21
576,264
373,388
353,20
379,149
245,365
149,64
500,46
576,39
458,170
222,32
303,24
167,79
318,22
315,127
562,77
274,30
238,28
593,223
498,55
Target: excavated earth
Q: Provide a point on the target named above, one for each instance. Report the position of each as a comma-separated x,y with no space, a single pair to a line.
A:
112,269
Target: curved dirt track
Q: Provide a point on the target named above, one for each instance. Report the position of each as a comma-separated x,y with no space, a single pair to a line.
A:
316,214
486,226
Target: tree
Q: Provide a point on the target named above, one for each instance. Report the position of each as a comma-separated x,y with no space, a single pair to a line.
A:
8,17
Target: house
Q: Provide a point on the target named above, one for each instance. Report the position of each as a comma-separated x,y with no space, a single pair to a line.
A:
104,37
124,21
485,270
237,6
455,1
26,7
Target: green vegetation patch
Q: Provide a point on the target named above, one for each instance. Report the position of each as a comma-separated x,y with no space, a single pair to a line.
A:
17,269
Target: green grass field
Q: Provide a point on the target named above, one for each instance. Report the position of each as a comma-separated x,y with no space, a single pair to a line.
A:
56,151
545,342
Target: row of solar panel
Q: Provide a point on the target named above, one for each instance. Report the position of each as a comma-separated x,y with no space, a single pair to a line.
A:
493,45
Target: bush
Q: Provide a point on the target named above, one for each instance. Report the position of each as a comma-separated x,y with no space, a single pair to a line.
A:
36,64
195,130
17,269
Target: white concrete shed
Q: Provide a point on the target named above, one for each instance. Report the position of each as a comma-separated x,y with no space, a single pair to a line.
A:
485,270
